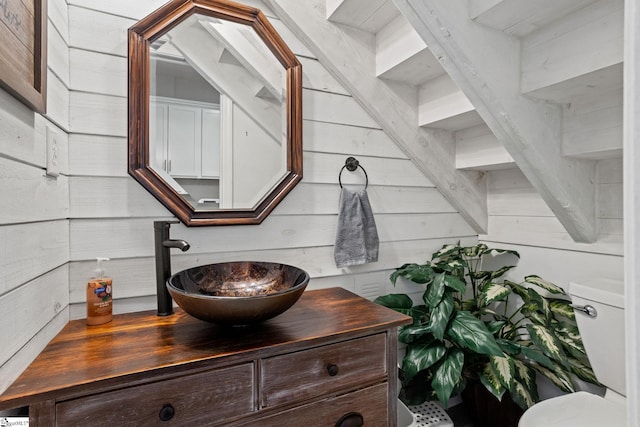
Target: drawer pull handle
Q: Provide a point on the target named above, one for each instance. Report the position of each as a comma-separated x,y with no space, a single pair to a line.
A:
167,412
352,419
332,369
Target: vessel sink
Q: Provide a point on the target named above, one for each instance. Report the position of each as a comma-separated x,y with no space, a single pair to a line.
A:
237,293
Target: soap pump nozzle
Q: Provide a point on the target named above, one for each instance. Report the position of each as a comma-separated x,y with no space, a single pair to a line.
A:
99,271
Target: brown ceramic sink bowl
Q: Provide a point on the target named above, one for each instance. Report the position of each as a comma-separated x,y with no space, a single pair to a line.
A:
237,293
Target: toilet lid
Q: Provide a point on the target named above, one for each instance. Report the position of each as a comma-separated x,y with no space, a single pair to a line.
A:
579,409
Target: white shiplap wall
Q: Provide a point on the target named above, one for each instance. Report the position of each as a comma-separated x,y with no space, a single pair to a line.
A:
111,215
34,225
519,219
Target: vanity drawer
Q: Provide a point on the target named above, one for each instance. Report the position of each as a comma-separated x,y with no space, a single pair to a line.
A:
309,373
371,404
200,399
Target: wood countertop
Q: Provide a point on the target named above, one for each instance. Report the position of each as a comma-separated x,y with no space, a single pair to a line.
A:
135,344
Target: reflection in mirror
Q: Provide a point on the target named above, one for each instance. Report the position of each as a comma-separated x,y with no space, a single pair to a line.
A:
217,122
223,112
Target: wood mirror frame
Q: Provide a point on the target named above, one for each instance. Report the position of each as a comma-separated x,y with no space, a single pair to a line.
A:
141,35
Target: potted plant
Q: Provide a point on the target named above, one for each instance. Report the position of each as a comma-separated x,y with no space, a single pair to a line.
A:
476,326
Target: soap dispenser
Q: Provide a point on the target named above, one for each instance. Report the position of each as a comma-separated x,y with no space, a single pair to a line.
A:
99,301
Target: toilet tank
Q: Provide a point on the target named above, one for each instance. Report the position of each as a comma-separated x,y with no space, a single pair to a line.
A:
603,335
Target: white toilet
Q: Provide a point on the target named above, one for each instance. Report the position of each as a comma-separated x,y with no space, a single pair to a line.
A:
603,337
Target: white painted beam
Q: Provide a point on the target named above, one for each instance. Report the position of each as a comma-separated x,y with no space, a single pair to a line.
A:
484,64
349,55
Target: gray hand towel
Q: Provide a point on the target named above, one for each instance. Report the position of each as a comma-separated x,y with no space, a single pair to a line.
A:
357,237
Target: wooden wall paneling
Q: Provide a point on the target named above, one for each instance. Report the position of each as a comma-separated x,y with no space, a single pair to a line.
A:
98,114
33,195
325,168
59,18
296,46
593,126
57,101
315,76
30,250
97,31
97,155
344,109
322,199
100,197
58,54
12,368
545,232
569,47
37,308
17,134
478,148
122,238
98,72
351,140
132,10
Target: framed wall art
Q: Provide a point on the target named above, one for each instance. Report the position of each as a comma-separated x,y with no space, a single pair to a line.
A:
23,51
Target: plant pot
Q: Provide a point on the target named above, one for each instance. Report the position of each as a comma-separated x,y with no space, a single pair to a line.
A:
486,410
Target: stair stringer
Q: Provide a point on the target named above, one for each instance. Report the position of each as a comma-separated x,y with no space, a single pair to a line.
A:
349,55
484,63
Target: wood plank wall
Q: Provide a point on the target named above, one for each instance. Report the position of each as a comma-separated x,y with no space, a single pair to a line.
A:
34,224
519,219
111,215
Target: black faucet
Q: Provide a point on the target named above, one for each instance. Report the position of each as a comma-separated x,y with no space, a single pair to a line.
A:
163,263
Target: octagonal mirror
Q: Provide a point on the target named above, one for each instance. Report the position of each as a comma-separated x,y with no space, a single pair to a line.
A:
215,111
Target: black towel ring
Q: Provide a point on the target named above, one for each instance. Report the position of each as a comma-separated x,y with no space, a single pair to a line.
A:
352,164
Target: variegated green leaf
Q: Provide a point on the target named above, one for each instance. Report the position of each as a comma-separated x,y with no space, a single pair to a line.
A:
420,357
455,283
440,316
508,347
517,289
527,377
409,334
504,369
474,251
415,272
500,272
572,343
494,292
548,342
448,375
537,356
562,308
502,251
539,281
446,251
521,396
558,376
529,311
435,290
398,302
582,371
491,382
494,326
469,332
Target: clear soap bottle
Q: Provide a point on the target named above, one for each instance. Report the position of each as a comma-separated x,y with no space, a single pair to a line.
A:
99,300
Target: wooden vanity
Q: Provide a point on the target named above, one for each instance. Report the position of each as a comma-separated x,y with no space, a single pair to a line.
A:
329,360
